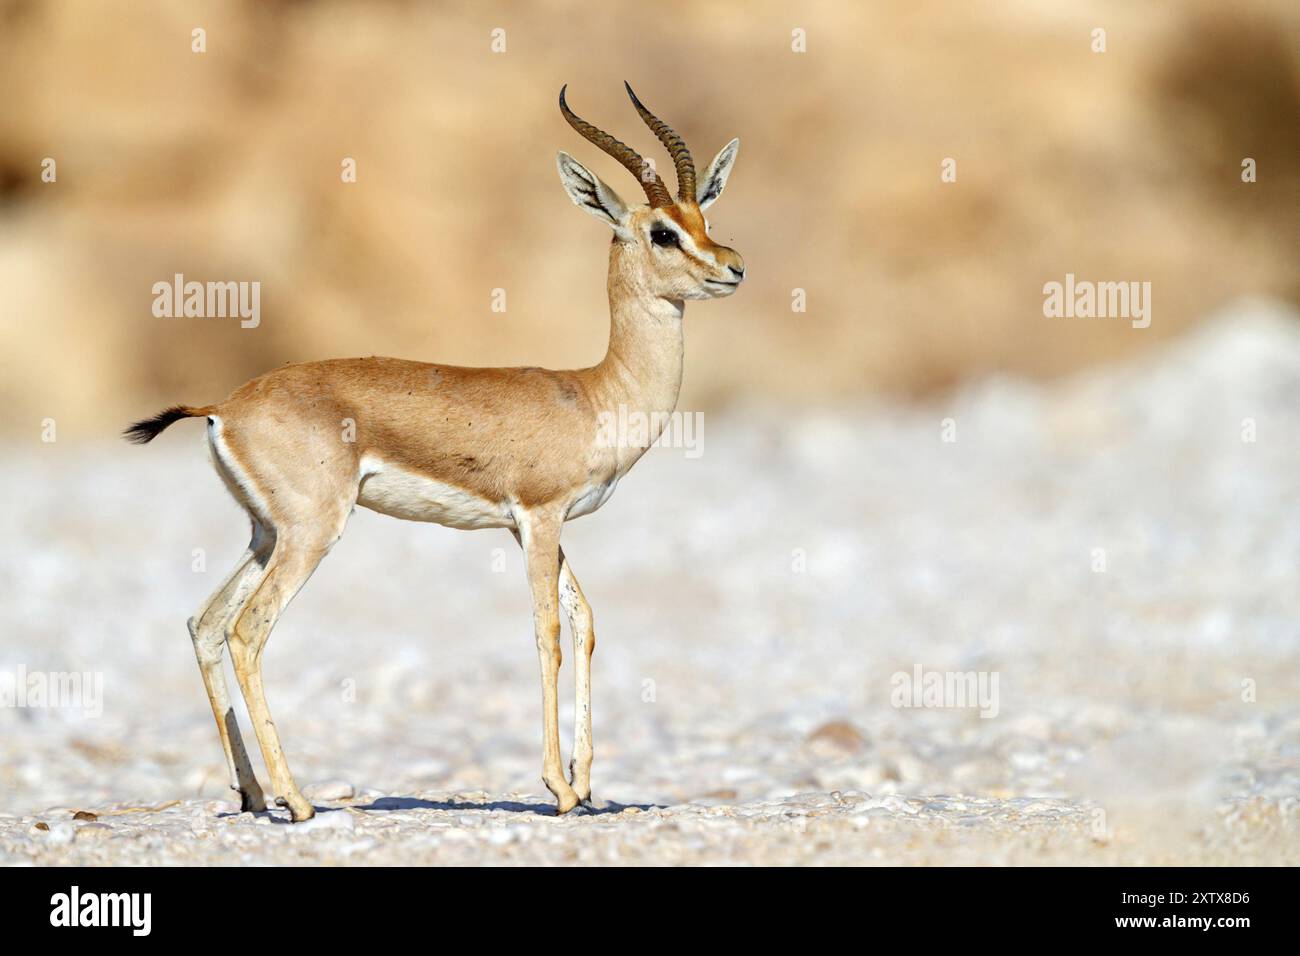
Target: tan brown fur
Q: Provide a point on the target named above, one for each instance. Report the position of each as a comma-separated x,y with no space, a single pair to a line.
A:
466,423
520,448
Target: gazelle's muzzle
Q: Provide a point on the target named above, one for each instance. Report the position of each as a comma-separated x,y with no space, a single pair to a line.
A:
731,271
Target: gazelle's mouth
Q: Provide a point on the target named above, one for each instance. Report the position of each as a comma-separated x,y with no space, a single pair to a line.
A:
730,285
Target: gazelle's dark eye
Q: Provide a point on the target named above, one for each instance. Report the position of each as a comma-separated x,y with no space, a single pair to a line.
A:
663,237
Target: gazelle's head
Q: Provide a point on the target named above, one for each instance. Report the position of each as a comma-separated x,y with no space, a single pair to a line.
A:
666,242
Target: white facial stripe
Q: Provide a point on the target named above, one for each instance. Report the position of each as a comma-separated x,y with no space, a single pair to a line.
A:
699,253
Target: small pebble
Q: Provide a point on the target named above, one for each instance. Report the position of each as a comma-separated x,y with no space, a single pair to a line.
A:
329,790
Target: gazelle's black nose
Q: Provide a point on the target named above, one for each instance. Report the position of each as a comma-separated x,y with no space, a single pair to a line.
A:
738,273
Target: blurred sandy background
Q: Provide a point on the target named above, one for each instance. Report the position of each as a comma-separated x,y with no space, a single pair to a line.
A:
1124,736
225,166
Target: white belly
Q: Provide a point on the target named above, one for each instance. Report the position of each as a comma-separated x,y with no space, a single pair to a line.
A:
394,491
590,498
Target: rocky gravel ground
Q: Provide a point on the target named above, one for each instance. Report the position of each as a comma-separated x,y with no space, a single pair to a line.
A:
1110,560
838,828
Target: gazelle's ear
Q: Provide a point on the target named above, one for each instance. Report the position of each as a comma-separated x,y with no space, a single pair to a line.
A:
586,190
710,186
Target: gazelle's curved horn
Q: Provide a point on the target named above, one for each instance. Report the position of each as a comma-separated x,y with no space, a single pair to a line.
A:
675,145
654,187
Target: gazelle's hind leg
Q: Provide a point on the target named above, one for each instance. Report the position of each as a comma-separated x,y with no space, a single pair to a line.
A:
299,547
208,632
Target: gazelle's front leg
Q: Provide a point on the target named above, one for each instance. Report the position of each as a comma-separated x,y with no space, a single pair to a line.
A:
578,611
539,533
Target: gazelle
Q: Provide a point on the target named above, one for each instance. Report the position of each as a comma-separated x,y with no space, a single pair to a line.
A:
516,448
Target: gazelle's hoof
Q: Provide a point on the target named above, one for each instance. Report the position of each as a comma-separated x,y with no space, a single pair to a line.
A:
580,782
251,801
299,808
565,801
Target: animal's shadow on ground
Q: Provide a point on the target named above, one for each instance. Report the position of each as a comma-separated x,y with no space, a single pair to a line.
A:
389,804
511,806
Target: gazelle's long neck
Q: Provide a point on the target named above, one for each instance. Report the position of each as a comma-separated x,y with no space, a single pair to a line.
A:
641,373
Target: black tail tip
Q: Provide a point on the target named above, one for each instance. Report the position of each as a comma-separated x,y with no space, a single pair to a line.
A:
145,431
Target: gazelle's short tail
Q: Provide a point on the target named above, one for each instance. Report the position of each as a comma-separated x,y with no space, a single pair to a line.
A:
143,432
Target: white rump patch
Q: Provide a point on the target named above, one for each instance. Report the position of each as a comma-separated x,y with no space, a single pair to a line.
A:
233,474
